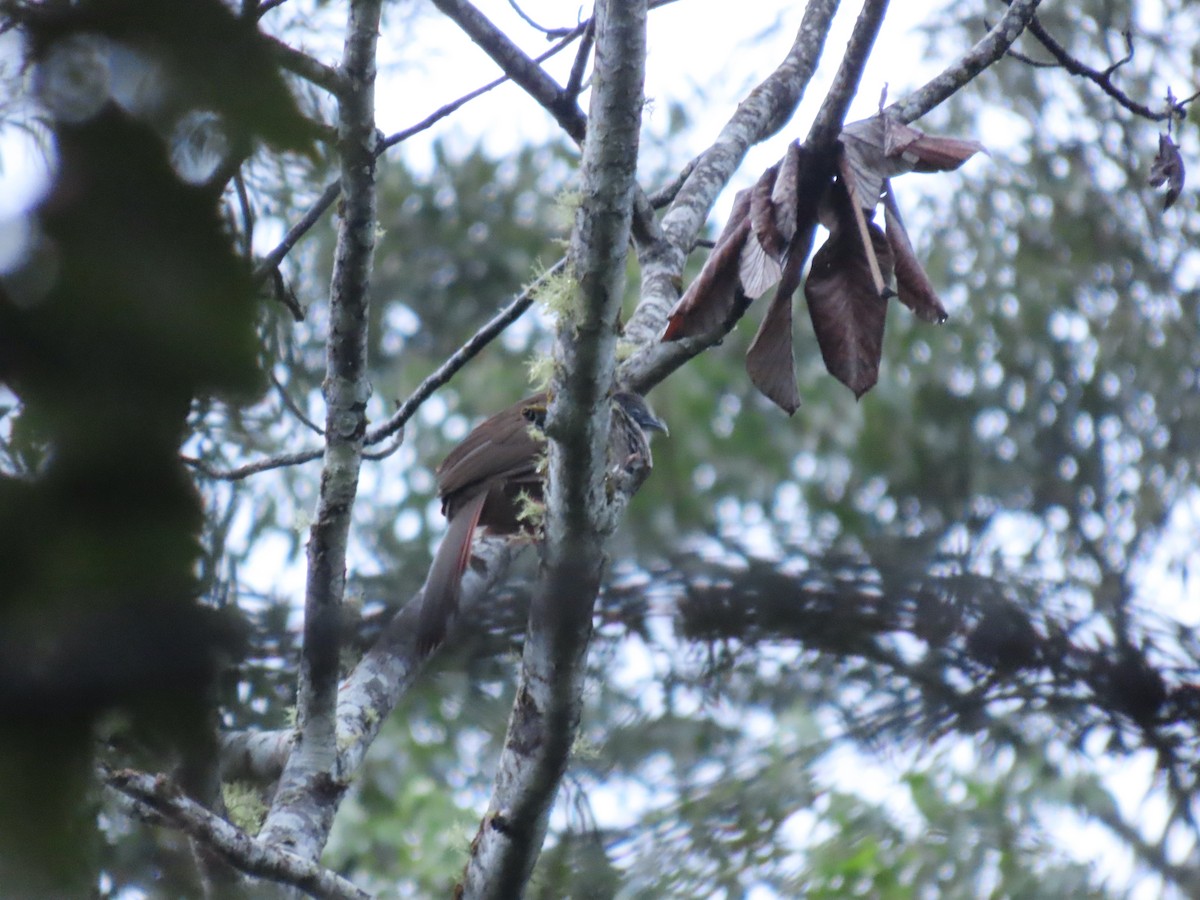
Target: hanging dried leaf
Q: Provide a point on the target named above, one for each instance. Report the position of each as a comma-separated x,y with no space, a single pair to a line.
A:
847,311
774,206
881,147
926,152
771,361
756,268
912,284
713,295
1168,169
785,195
762,214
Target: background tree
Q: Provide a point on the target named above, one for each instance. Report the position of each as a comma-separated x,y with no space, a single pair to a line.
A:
970,584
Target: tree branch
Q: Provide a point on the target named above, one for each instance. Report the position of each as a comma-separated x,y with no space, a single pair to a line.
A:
546,713
370,693
300,63
440,376
531,77
990,48
165,800
762,113
1101,78
311,787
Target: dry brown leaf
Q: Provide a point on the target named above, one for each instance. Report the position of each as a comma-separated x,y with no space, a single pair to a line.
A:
784,195
757,269
881,147
847,311
1168,169
913,286
771,361
713,295
762,214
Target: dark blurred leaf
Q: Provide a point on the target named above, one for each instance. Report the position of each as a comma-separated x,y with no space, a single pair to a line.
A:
1168,169
208,59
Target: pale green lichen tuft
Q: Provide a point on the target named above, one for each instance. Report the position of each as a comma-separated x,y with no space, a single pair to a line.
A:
530,511
542,368
244,805
567,203
625,349
558,295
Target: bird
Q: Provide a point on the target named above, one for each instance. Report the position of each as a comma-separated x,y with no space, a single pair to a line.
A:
489,480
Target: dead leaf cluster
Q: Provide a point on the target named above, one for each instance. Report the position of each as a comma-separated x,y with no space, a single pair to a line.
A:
858,268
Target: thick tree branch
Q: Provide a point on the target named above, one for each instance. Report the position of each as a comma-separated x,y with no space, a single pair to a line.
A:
546,713
762,113
166,801
311,786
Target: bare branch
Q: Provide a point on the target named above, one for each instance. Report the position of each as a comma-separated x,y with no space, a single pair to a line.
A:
440,376
441,113
271,261
279,461
520,68
247,211
164,799
575,79
333,190
300,63
1101,78
462,356
828,122
990,48
293,408
525,17
384,674
546,713
310,788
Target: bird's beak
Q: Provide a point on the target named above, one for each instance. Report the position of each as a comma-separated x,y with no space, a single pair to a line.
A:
654,423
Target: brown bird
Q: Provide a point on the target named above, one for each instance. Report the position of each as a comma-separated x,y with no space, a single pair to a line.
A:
482,479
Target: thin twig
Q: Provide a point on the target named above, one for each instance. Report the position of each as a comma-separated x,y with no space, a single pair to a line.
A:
1101,78
462,356
333,189
272,260
523,70
406,410
574,85
441,113
267,5
294,408
528,20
